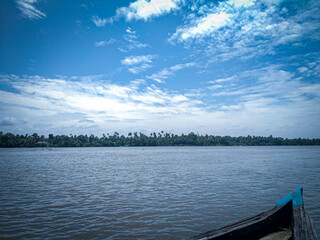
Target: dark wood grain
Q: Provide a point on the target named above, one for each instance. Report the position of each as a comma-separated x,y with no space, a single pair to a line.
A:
303,228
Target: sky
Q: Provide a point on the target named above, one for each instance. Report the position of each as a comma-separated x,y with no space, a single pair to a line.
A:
220,67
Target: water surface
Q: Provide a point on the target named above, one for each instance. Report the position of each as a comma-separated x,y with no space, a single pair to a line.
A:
147,193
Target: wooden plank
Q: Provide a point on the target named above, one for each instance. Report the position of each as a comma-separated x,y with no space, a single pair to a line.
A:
303,223
312,235
296,224
303,228
281,235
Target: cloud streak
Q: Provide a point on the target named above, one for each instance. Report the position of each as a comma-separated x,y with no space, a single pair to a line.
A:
167,72
28,9
104,43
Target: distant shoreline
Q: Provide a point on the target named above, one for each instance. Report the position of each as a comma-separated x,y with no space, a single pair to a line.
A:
9,140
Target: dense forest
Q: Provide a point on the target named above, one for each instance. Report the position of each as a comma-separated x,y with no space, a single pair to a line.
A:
140,139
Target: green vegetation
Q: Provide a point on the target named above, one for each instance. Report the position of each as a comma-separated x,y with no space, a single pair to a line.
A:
140,139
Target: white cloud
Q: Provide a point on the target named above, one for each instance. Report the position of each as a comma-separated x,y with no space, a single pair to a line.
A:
277,103
160,76
104,43
270,84
309,64
181,66
242,3
141,68
132,42
130,31
38,99
302,69
144,10
28,9
100,22
133,60
142,61
221,80
8,121
246,29
203,26
272,2
166,72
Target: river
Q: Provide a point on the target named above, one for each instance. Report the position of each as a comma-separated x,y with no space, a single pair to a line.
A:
147,192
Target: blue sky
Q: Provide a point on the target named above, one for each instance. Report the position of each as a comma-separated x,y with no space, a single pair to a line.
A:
232,67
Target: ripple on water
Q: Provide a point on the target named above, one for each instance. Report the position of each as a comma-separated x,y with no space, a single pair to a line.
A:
147,193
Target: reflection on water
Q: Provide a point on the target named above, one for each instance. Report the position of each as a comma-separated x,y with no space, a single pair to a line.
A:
147,193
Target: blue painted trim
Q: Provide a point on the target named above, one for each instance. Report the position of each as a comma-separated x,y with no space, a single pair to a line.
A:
296,198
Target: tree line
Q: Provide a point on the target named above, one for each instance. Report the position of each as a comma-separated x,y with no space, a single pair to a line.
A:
9,140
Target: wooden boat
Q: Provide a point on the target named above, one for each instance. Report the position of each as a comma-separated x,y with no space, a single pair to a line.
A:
287,220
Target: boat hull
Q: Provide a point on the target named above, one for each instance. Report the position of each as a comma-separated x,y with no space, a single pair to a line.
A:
254,227
288,215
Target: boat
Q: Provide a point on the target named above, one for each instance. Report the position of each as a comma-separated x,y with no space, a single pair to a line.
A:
287,220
